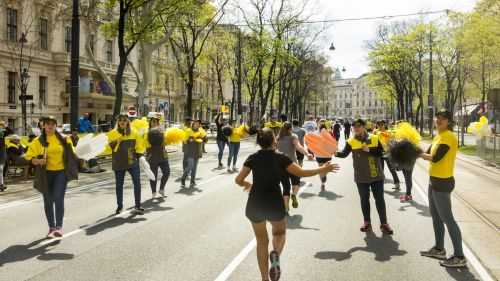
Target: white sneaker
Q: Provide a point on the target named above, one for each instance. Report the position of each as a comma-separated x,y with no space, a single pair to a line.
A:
154,195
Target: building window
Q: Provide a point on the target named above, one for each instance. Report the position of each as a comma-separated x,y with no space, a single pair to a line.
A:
109,51
12,25
44,34
67,86
42,90
11,87
67,39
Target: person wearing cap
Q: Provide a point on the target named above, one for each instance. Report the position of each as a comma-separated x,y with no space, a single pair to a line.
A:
14,149
441,155
53,154
367,152
156,154
127,147
4,132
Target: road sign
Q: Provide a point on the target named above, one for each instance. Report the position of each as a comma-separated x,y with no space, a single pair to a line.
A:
26,97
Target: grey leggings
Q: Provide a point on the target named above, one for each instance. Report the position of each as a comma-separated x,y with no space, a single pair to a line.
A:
440,208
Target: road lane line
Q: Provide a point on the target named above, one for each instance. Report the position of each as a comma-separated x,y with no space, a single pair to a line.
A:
231,267
471,257
127,212
224,275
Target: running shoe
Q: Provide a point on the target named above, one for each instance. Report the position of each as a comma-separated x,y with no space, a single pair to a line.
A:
58,233
275,270
434,253
397,186
162,192
51,233
405,198
153,195
366,227
386,229
183,182
139,210
119,210
295,202
454,262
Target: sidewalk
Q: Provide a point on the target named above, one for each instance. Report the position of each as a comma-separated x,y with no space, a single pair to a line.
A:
477,207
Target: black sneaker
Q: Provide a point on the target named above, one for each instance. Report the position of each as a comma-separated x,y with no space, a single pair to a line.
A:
454,262
275,270
434,253
119,210
386,229
139,210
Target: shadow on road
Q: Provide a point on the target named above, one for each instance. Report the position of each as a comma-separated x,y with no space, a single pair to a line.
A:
462,274
17,253
295,221
383,247
422,209
189,191
329,195
114,222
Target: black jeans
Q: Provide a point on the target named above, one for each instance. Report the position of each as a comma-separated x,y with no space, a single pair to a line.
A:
394,174
408,174
221,144
53,200
377,189
135,173
165,170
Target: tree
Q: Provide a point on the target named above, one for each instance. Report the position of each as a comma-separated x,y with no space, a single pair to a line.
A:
189,39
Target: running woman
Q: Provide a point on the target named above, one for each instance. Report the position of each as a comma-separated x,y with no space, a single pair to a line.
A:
50,152
368,174
127,147
441,155
289,144
265,201
157,155
221,138
322,160
301,133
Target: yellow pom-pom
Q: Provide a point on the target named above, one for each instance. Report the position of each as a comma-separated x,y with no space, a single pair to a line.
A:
140,125
483,120
113,135
174,136
406,131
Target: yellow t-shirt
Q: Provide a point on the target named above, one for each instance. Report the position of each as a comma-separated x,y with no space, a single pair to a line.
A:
444,168
237,134
55,161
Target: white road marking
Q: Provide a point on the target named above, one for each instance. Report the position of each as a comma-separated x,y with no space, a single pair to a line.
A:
124,213
231,267
471,257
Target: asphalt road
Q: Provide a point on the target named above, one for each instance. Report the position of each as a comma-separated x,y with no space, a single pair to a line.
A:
202,234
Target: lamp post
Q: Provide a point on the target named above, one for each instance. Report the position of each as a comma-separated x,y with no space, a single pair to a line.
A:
431,88
75,66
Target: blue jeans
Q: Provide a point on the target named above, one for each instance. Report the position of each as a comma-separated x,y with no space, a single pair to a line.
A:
53,200
191,167
135,173
165,170
234,149
221,144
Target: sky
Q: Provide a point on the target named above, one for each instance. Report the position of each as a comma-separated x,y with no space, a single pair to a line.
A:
349,37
